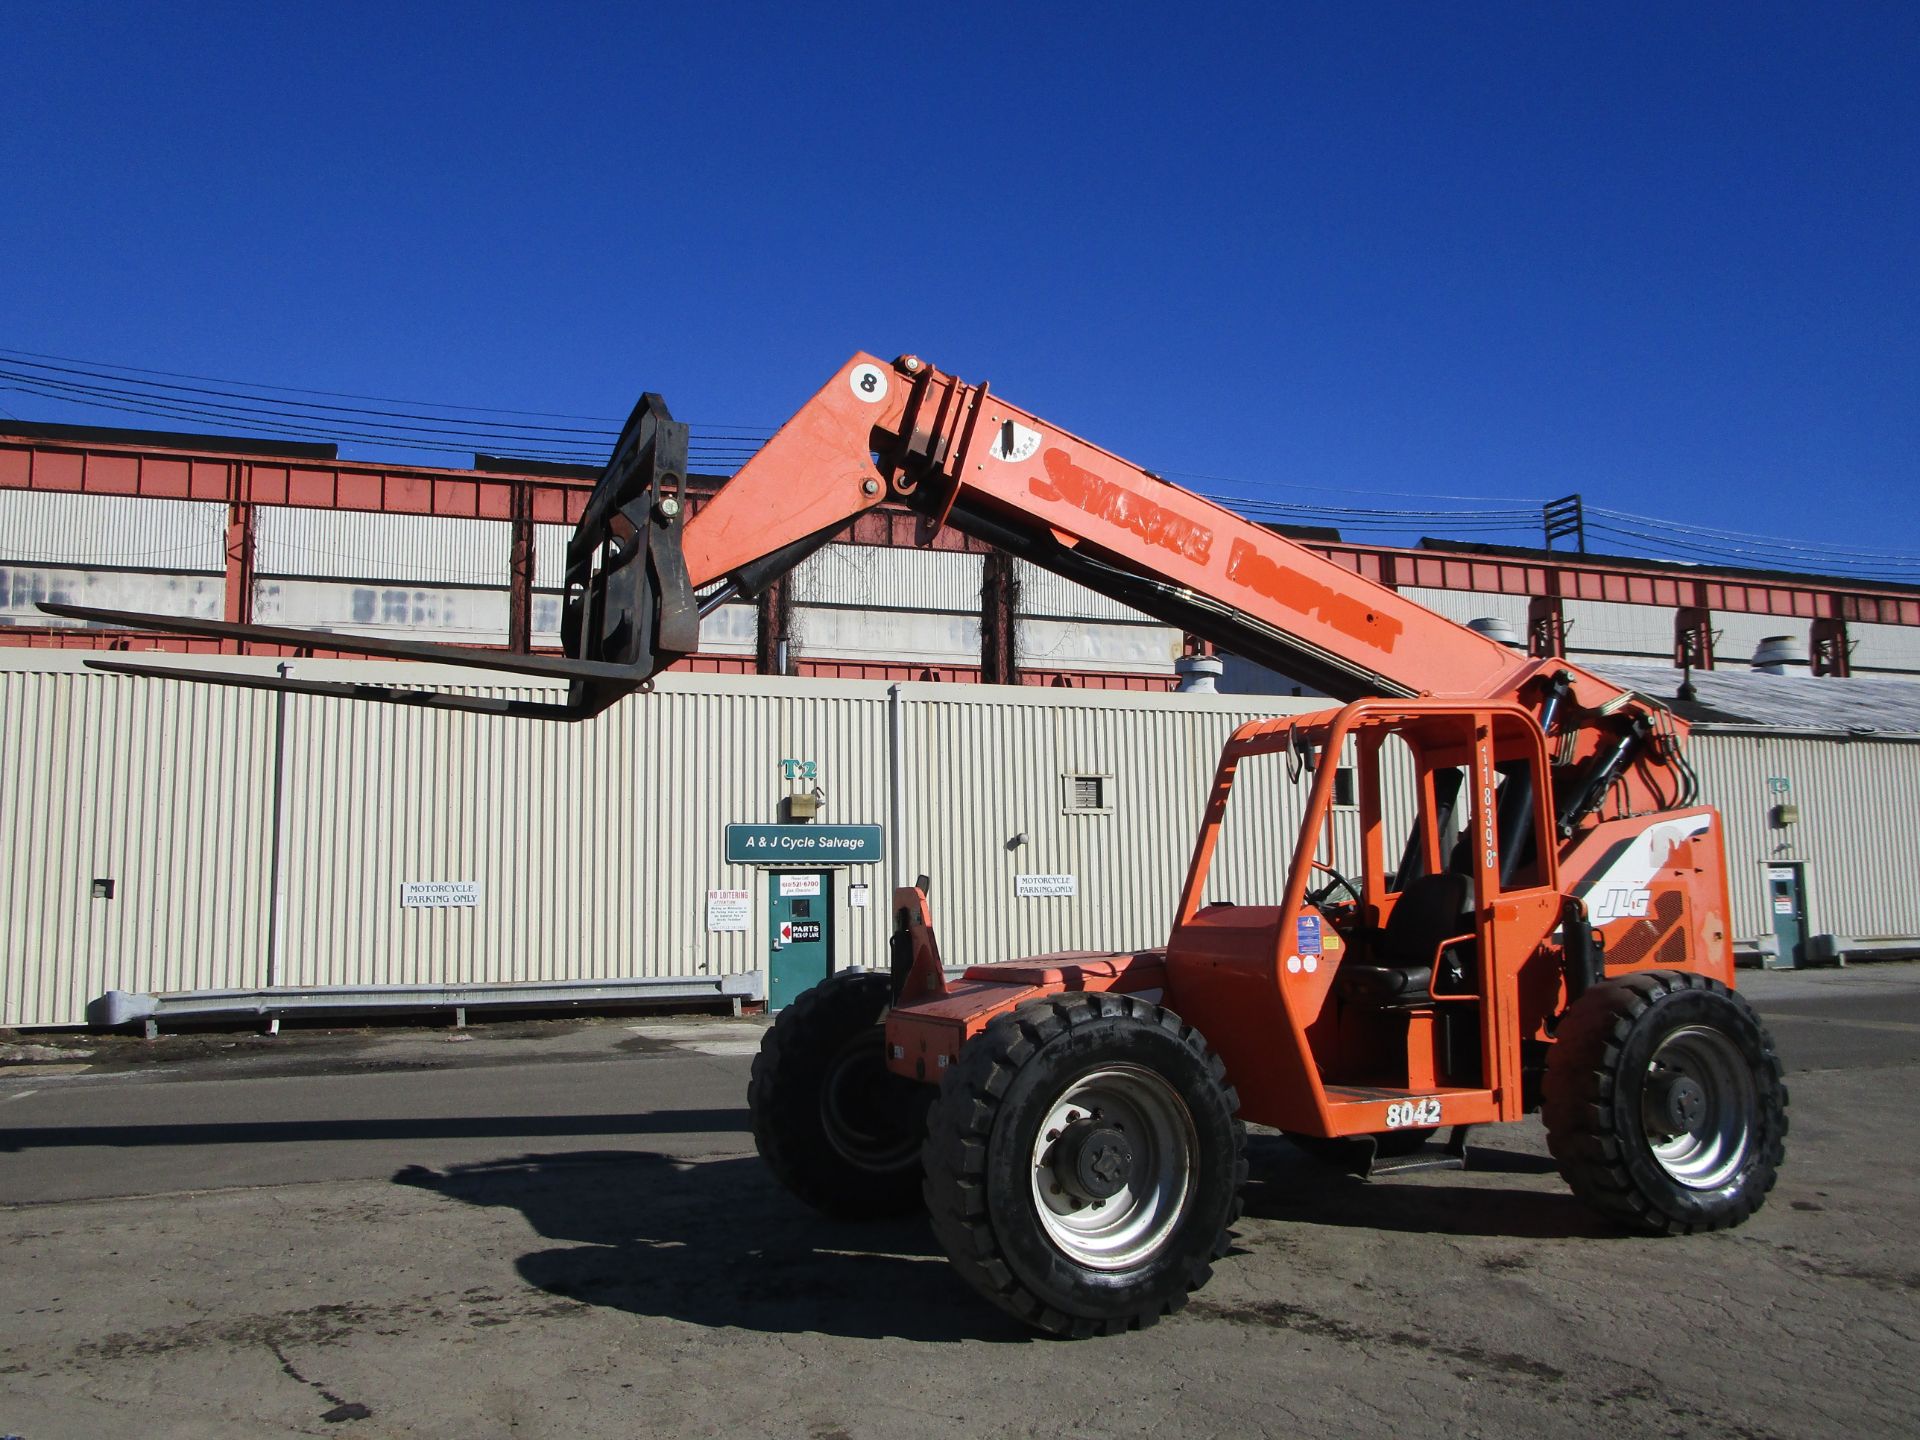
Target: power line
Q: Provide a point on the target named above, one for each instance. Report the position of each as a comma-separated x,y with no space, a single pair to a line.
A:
283,427
436,439
1695,553
219,403
1353,490
1715,532
112,371
117,388
1710,544
295,390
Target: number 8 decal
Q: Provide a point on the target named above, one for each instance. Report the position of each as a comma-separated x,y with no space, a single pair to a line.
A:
868,382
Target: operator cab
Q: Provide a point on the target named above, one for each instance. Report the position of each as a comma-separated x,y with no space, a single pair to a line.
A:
1422,877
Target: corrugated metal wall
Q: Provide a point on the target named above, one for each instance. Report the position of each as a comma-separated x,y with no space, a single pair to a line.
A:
1885,647
164,790
983,770
870,577
1053,597
595,844
345,545
1465,605
46,535
1858,801
24,587
57,528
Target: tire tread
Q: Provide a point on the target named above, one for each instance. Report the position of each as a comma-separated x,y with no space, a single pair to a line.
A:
779,1109
956,1154
1581,1082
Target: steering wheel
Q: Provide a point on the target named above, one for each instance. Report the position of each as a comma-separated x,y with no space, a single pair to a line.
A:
1321,895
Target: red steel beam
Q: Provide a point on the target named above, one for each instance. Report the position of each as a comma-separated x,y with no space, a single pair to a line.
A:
86,468
118,468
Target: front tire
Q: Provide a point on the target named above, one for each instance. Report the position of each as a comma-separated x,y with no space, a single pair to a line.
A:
835,1126
1664,1103
1084,1162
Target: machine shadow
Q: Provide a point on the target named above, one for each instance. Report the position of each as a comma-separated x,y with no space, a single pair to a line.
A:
718,1243
1285,1184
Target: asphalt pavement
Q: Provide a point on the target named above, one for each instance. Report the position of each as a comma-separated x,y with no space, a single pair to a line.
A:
560,1229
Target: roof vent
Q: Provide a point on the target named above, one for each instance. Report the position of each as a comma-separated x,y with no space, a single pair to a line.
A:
1499,631
1777,654
1199,674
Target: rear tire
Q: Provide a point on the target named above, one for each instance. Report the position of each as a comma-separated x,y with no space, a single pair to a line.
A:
1664,1103
835,1126
1084,1162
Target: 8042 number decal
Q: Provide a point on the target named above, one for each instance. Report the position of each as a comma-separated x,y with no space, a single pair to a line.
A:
1403,1113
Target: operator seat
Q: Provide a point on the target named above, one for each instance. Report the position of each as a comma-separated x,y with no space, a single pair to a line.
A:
1399,970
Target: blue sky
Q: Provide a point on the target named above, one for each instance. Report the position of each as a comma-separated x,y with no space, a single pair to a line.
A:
1660,255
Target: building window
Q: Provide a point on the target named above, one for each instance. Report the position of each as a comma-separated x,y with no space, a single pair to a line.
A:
1088,794
1343,791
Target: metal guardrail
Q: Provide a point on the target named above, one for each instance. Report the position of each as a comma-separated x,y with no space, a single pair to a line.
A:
120,1009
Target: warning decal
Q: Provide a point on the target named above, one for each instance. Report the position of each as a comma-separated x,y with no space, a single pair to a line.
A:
1307,940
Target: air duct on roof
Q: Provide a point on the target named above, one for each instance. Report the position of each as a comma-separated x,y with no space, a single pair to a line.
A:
1199,674
1495,628
1776,654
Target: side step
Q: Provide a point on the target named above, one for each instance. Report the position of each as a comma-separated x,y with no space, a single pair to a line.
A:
1360,1154
1450,1154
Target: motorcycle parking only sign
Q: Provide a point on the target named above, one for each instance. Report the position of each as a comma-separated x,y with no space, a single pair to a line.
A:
438,894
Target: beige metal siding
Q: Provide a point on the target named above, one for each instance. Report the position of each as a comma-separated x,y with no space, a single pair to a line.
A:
550,554
1046,594
397,609
58,528
1884,647
1465,605
1091,645
1736,636
24,587
983,769
595,844
1857,834
421,549
871,577
1609,627
161,788
933,637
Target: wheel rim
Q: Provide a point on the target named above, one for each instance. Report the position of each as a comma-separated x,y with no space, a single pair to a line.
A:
1699,1106
862,1106
1123,1131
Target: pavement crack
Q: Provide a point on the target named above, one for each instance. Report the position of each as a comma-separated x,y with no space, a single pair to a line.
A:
342,1409
1279,1315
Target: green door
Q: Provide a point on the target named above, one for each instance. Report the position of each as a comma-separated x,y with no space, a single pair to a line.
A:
1787,899
800,921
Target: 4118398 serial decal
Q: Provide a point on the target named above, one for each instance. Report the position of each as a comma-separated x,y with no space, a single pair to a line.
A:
1403,1113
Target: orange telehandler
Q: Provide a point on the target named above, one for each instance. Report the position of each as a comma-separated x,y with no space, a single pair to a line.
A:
1523,908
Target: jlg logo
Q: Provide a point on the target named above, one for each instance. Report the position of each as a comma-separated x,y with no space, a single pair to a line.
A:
1621,902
